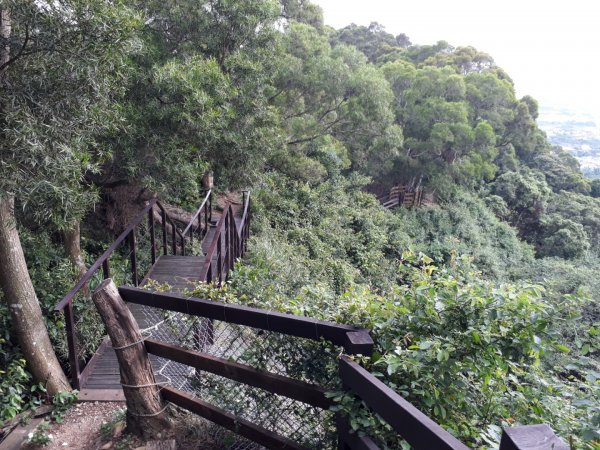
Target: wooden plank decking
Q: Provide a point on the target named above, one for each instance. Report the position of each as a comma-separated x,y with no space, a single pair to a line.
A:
103,377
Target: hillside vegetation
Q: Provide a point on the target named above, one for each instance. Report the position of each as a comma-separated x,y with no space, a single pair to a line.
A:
484,306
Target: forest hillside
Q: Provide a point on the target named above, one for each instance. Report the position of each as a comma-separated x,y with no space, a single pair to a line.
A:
484,303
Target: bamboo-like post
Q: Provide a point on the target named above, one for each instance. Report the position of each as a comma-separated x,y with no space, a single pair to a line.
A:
147,413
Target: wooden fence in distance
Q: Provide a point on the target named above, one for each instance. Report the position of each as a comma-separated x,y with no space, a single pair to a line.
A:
401,196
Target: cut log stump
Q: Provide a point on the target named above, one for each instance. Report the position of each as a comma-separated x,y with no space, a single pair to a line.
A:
147,414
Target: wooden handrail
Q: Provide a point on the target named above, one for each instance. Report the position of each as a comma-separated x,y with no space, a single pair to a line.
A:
105,256
210,253
277,384
411,424
235,242
531,437
198,212
227,420
175,230
66,304
346,336
101,261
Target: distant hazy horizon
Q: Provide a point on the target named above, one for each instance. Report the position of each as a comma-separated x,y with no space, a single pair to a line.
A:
548,48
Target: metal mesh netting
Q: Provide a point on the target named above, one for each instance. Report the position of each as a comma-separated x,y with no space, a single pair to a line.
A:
297,358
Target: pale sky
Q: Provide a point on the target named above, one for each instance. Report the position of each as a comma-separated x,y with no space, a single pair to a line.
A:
551,49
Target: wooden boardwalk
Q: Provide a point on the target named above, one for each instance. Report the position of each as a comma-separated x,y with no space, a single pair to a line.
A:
102,372
101,377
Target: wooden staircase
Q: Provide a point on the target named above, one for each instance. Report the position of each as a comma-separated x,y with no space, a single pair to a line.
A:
222,237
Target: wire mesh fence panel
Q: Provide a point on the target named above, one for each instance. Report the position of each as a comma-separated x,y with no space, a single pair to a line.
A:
206,434
297,358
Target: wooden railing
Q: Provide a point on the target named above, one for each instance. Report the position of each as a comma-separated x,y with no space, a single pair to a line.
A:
228,244
173,241
410,424
202,216
352,339
416,428
401,196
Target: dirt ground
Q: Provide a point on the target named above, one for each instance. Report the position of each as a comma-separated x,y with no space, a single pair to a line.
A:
80,428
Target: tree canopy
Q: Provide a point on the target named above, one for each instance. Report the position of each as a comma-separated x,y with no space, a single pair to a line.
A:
148,96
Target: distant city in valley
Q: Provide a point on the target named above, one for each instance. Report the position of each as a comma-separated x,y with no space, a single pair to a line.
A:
576,132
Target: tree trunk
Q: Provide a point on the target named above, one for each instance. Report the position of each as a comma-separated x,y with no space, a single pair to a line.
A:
146,413
72,242
25,311
5,32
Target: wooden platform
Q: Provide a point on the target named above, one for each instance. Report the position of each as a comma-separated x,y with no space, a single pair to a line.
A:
101,375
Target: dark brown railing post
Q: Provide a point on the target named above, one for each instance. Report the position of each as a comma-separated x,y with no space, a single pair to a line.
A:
163,214
531,437
206,213
133,257
152,236
66,303
238,239
231,247
219,255
72,344
232,235
105,269
247,227
192,235
173,238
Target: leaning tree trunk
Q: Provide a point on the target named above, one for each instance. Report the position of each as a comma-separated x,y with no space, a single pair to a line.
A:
25,311
72,242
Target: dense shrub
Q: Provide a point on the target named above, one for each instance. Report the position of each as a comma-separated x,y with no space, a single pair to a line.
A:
474,355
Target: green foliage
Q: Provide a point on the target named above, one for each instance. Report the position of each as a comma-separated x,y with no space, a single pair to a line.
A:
526,194
474,355
61,402
61,95
466,226
40,435
52,276
373,40
581,209
343,231
197,98
448,339
106,429
562,171
563,238
17,391
303,11
332,95
262,93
